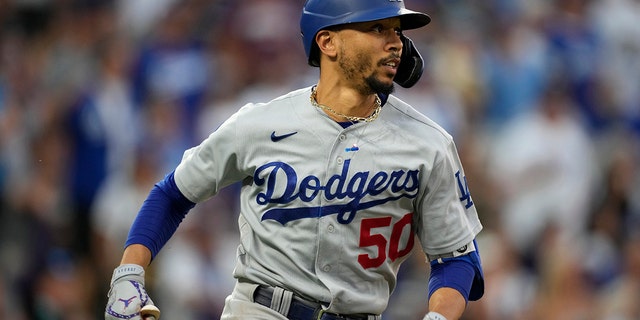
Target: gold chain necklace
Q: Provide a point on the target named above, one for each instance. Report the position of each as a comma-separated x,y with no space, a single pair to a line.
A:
370,118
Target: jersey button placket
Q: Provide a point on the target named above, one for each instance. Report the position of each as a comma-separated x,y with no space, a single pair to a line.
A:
330,241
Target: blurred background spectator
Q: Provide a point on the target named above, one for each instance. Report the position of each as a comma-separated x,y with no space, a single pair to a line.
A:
98,100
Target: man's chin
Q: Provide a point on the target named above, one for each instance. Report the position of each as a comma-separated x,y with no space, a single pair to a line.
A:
385,86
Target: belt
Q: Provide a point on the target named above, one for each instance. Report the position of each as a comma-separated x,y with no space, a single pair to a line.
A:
296,308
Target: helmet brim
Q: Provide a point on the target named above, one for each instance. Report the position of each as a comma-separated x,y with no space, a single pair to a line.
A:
413,20
409,19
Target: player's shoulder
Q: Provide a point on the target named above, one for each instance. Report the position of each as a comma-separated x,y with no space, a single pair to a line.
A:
405,117
275,108
290,98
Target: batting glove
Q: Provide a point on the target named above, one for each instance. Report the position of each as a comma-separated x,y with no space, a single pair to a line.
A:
127,294
434,316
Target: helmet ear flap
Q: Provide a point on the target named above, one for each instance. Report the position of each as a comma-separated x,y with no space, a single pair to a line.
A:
411,64
314,55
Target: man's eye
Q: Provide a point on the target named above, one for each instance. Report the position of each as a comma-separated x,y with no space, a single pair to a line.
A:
377,28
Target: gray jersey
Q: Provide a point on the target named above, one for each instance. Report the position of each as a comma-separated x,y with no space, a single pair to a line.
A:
327,212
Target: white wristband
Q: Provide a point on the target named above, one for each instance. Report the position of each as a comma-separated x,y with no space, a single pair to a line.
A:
128,270
434,316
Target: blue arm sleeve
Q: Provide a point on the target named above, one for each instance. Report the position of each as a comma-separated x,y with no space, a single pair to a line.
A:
159,216
463,273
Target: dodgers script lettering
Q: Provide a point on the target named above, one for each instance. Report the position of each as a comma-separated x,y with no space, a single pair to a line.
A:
377,188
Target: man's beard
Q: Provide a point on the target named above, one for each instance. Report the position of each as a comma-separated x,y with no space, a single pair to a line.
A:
378,86
371,85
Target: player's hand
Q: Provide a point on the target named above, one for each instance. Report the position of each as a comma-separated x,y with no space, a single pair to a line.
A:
127,294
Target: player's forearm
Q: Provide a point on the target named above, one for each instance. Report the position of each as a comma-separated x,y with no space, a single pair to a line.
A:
136,254
447,302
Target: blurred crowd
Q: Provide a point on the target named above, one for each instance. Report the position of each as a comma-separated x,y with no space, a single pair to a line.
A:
98,100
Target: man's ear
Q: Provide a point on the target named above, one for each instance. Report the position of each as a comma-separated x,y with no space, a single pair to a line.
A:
325,40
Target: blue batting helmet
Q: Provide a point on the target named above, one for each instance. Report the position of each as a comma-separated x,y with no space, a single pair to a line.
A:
321,14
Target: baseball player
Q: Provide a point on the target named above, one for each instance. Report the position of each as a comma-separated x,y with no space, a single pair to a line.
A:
340,181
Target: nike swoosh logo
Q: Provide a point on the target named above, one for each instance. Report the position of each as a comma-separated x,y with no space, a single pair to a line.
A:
276,138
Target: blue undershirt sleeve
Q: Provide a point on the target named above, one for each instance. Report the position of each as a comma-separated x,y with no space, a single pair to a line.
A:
463,273
159,217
